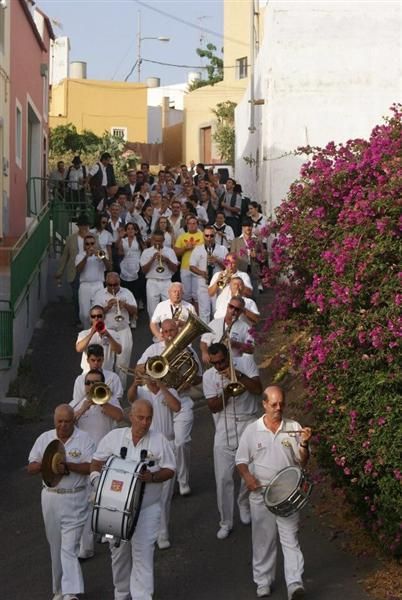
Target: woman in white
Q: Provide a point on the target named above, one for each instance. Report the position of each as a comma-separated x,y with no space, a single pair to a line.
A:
146,222
130,247
164,225
104,237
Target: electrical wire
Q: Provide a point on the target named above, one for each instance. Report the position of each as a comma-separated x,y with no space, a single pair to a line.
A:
158,62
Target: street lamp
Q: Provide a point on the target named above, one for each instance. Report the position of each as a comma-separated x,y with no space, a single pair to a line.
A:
161,38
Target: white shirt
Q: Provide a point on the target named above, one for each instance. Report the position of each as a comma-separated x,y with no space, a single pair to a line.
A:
222,304
93,270
93,170
104,238
199,258
202,214
111,379
239,332
79,449
109,356
130,265
226,290
124,295
176,225
229,233
75,178
94,421
166,310
265,452
158,450
152,273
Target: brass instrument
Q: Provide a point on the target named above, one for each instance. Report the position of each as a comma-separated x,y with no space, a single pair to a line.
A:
100,393
234,388
160,268
210,264
100,255
100,326
119,317
225,277
176,366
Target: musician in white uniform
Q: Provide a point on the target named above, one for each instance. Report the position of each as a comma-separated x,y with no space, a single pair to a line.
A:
250,313
91,272
65,506
174,308
265,448
158,264
205,261
224,233
231,416
97,420
120,308
182,420
110,343
242,342
132,562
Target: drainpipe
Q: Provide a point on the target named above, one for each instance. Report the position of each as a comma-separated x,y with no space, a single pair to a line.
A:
251,127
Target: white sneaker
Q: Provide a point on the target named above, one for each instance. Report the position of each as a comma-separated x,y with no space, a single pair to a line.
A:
184,489
245,515
263,591
58,596
163,543
223,533
296,591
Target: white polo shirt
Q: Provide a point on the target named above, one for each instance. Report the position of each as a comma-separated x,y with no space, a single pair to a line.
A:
167,310
152,273
79,449
111,379
94,269
239,332
124,295
109,356
222,304
265,452
162,420
199,258
158,450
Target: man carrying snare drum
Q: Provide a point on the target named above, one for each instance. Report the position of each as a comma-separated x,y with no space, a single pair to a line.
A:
268,445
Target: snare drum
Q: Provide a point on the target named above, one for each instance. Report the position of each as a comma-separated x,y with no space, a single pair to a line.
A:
288,491
118,498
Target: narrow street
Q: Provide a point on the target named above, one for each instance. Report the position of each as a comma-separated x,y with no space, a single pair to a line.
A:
198,566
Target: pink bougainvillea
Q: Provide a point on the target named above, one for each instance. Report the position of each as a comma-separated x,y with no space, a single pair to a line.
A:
335,268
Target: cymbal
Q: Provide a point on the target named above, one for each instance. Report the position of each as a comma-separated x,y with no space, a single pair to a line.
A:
54,454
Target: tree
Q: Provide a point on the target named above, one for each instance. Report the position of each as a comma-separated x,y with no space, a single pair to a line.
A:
65,139
214,69
224,135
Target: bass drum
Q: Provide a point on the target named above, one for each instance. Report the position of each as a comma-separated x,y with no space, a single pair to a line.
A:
118,498
288,491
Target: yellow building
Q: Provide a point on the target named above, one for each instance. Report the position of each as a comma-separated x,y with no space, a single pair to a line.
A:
199,121
114,106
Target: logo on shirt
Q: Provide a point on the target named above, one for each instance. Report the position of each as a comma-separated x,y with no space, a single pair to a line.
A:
286,443
116,486
259,446
74,453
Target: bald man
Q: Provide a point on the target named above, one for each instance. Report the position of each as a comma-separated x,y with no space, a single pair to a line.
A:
267,446
65,505
132,562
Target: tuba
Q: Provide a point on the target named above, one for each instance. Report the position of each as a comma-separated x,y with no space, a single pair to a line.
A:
100,393
176,366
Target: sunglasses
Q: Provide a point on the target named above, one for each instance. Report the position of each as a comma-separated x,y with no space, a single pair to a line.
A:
209,236
98,316
233,307
91,382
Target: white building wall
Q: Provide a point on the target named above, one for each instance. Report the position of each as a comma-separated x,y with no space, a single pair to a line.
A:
327,71
175,92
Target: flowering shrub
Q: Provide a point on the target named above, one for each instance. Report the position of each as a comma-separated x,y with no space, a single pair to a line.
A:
336,270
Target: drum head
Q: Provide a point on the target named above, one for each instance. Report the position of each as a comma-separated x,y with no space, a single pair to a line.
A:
282,485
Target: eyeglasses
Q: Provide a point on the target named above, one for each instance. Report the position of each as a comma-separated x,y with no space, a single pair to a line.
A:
209,236
98,316
233,307
90,243
91,382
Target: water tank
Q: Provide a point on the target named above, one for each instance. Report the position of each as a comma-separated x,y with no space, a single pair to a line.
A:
78,70
193,76
153,82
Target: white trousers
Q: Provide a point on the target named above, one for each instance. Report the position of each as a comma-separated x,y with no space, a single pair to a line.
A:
87,543
265,526
166,502
157,290
64,516
206,304
124,358
190,285
224,465
183,425
133,561
86,295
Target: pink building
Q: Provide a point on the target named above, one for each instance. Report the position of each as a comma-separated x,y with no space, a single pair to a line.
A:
30,35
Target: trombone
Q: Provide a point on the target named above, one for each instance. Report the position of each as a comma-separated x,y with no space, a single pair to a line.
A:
233,389
100,393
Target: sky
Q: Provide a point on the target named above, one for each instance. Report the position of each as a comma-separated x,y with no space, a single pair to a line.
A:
103,33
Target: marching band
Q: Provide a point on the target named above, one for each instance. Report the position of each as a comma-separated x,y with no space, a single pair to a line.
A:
191,251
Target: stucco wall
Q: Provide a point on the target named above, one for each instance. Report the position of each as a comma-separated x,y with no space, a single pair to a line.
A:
5,122
327,71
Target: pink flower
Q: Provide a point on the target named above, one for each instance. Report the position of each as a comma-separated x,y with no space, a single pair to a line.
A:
368,467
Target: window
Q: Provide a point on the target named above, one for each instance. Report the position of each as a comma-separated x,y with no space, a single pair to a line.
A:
241,68
120,132
18,135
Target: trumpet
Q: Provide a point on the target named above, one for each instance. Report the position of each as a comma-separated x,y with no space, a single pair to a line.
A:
119,317
100,255
160,268
225,277
100,393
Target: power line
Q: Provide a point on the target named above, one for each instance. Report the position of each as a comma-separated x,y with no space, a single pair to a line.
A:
158,62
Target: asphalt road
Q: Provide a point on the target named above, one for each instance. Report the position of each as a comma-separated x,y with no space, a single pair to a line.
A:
198,566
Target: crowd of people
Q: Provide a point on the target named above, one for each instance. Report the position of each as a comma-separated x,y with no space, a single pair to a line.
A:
182,246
